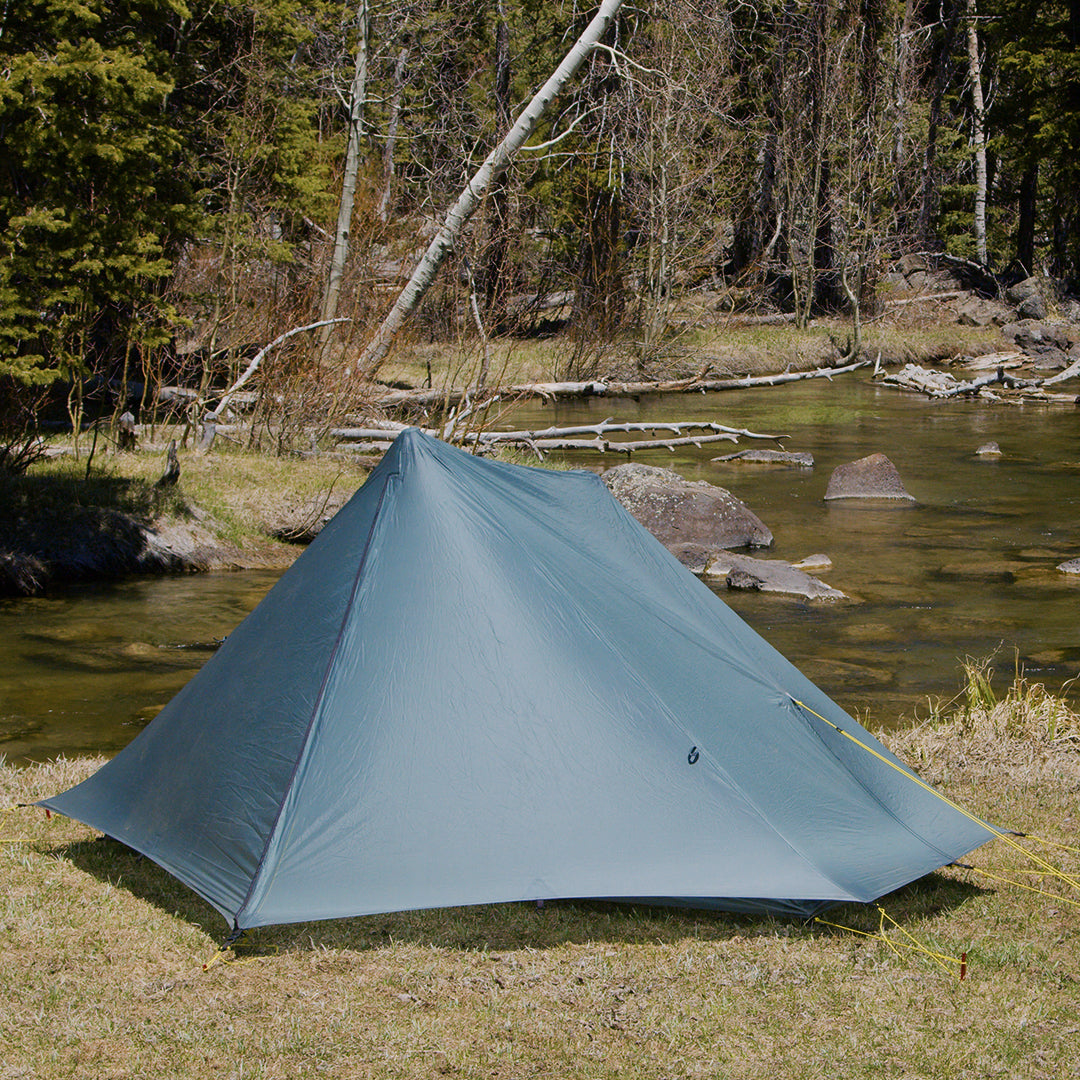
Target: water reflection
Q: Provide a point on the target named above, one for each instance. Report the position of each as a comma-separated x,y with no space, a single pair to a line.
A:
968,569
83,670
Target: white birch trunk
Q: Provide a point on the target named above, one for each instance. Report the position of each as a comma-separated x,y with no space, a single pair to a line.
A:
979,118
391,135
357,94
493,167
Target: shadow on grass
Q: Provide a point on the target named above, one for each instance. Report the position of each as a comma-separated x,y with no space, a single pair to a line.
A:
499,926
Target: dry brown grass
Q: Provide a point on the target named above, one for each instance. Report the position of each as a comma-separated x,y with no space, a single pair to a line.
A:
730,347
101,968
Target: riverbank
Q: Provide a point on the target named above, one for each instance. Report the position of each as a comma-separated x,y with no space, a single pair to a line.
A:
101,974
66,521
230,510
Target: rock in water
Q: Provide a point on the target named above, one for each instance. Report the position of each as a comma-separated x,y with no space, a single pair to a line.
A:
681,512
769,575
873,477
771,457
990,449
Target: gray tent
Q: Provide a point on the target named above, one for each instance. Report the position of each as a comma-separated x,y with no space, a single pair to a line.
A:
484,682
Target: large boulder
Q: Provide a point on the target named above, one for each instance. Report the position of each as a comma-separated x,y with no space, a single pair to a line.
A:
1030,297
873,477
682,512
1047,343
976,311
919,275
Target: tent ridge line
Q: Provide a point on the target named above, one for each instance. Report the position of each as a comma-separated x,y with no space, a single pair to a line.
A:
316,706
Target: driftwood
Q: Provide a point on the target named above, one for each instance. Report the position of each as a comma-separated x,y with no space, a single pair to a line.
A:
953,294
605,427
553,438
1071,372
940,384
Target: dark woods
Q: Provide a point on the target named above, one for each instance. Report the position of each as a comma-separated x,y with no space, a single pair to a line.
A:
173,173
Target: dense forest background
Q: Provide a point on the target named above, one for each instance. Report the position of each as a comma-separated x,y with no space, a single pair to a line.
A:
173,172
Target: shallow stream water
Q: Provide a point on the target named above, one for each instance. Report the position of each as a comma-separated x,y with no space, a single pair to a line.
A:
968,569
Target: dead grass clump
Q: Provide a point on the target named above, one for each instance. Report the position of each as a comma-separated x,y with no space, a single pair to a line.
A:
1028,733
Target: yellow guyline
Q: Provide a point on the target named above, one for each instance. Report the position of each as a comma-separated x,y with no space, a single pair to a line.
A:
941,959
1048,867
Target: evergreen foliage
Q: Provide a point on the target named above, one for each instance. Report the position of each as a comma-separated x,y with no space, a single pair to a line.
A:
94,198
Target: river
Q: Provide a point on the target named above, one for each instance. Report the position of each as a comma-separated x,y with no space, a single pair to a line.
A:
969,569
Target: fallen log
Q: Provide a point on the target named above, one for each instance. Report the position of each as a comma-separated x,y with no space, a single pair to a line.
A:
618,446
595,388
553,438
605,427
940,384
1071,372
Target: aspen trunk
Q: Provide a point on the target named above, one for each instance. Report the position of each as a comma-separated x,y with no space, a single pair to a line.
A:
978,109
493,167
348,180
391,135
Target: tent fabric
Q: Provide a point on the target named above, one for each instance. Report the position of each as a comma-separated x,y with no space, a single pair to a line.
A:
485,682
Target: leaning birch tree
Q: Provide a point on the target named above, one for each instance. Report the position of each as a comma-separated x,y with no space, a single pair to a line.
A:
475,191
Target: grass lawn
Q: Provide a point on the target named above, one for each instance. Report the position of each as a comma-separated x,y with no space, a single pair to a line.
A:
102,960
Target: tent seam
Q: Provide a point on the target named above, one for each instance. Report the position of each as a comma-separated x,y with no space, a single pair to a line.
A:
316,707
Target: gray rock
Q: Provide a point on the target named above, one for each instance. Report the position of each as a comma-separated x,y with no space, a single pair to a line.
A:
695,557
1028,333
873,477
1046,343
1047,360
1024,290
1070,567
911,264
1019,333
769,575
919,274
771,457
680,512
1034,307
989,449
813,562
978,312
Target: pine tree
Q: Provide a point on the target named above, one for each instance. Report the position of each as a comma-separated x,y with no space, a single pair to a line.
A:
93,199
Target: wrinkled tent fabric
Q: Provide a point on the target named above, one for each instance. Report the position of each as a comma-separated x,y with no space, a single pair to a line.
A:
485,682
